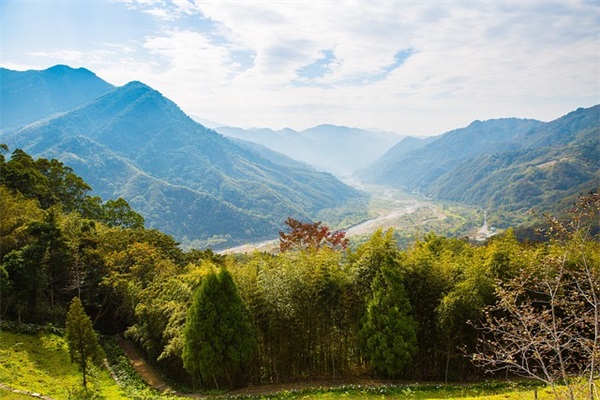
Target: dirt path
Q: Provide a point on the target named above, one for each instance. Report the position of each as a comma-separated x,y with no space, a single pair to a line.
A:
146,371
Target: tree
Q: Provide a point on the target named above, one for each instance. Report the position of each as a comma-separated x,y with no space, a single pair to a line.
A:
119,213
48,181
545,324
464,302
82,340
427,275
371,256
389,332
303,236
17,213
218,336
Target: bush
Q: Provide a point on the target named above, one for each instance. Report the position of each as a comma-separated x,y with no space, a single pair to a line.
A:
30,329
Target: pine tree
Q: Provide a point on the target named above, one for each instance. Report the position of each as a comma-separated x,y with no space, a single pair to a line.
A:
388,334
218,336
81,338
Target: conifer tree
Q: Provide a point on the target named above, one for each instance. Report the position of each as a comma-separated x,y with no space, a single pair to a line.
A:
218,336
82,340
388,333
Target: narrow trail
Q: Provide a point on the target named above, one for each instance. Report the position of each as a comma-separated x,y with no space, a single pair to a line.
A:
146,371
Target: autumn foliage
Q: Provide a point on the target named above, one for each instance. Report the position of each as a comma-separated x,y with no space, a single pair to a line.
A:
304,235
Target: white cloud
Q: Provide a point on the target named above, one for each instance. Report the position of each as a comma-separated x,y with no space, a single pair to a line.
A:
167,10
241,62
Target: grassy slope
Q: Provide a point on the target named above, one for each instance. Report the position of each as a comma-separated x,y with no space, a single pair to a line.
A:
40,363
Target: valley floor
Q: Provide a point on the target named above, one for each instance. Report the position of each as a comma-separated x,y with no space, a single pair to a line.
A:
408,214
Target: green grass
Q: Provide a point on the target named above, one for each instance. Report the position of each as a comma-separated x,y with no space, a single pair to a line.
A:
5,394
40,363
485,391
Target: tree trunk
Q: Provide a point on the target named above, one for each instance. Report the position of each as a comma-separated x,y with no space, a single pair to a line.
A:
83,369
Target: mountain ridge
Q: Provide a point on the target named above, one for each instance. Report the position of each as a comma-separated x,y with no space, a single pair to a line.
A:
508,165
166,165
340,150
27,96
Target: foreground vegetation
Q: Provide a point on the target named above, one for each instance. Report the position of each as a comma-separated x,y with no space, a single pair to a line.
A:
37,363
318,309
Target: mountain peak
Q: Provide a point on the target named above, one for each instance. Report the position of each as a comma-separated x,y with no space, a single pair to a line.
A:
28,96
137,85
62,68
137,89
329,128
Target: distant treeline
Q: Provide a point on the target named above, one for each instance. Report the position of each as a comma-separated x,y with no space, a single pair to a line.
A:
316,310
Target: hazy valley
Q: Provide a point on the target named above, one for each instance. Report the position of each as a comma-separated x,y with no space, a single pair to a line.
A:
210,190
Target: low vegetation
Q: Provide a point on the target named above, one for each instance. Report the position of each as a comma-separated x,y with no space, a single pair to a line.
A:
39,363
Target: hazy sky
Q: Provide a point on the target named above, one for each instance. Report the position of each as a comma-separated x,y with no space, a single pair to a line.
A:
412,67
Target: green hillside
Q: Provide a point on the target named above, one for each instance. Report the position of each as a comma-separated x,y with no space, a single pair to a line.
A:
417,169
184,179
316,309
505,166
39,363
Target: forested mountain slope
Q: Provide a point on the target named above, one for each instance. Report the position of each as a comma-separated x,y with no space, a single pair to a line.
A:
417,169
552,164
504,165
337,149
28,96
183,178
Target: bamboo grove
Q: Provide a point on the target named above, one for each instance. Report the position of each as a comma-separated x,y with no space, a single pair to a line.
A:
305,313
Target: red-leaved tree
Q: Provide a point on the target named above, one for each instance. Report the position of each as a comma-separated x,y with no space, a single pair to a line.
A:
304,235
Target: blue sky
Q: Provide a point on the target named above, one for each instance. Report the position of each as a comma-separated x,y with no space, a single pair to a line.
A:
411,67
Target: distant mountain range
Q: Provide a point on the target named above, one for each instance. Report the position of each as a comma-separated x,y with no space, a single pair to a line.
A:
28,96
337,149
210,190
504,165
185,179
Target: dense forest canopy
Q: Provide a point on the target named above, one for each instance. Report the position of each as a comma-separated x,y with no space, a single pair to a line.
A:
308,312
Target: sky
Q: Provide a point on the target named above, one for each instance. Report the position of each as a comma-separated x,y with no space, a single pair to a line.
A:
411,67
